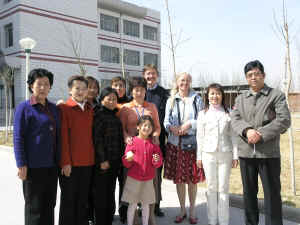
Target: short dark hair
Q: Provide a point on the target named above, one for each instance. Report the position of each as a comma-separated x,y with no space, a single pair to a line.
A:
137,82
219,88
150,67
252,65
107,91
76,77
91,80
145,118
116,79
39,73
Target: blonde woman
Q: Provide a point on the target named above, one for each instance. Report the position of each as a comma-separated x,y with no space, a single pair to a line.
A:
180,122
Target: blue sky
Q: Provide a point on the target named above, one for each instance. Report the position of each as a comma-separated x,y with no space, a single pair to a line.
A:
224,35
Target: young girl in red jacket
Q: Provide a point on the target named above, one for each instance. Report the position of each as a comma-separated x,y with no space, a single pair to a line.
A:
141,158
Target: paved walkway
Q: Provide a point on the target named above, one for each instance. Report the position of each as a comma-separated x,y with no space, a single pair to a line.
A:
12,202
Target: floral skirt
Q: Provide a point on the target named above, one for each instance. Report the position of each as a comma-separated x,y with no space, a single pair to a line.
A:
179,165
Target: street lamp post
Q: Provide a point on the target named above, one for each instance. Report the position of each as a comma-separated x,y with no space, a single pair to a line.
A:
27,44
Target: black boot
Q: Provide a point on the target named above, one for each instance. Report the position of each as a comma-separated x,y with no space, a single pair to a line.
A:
123,213
157,211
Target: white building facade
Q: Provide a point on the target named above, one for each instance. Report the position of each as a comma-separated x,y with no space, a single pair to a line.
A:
102,35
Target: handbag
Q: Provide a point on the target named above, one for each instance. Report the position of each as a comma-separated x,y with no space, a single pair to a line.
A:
198,173
187,142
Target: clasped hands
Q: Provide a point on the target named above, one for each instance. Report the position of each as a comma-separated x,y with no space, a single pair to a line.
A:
180,130
253,136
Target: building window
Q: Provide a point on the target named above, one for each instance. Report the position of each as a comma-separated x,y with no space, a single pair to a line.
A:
110,54
7,1
106,82
131,28
150,33
150,58
9,39
131,57
109,23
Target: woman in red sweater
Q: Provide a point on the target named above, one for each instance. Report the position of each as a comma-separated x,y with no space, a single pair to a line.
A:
141,158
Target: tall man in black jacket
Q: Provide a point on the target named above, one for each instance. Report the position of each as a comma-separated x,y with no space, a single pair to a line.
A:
158,96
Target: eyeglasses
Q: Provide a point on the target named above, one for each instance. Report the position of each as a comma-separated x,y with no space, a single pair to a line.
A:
254,74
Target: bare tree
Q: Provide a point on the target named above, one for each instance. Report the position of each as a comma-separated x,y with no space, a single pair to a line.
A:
74,43
173,43
7,76
171,37
282,30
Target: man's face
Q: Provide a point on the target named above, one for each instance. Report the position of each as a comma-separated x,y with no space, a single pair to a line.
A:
151,76
255,79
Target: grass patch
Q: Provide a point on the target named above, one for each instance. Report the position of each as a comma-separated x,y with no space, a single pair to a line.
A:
287,194
9,142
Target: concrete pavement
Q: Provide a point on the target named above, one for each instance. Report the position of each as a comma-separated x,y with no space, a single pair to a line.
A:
12,202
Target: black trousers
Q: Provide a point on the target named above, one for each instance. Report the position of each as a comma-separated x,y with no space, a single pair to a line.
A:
40,189
105,185
74,196
158,180
90,205
269,172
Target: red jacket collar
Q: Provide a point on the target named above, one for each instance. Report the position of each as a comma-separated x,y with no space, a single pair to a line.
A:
72,103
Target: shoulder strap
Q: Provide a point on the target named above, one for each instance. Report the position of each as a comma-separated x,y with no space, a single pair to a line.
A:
177,105
171,110
178,110
195,108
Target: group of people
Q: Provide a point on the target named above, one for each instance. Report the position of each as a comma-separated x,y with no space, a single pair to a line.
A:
97,137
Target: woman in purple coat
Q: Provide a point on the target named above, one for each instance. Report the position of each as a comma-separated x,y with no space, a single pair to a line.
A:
37,149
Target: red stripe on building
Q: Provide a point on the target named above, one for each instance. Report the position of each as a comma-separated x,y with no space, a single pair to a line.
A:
151,20
124,42
112,68
9,14
48,11
150,17
48,16
60,14
57,18
128,40
59,56
13,53
57,60
109,71
8,9
67,57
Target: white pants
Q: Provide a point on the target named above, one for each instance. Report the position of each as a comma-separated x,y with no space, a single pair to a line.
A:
217,167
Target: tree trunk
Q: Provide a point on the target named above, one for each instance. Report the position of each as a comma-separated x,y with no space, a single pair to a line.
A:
10,108
290,131
6,110
171,38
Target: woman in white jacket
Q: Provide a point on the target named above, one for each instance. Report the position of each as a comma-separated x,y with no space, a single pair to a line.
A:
216,153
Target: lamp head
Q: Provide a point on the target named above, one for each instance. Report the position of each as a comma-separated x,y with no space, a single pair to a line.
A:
27,44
